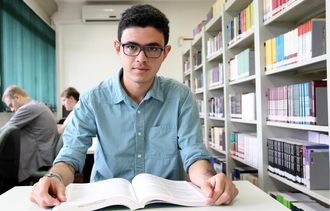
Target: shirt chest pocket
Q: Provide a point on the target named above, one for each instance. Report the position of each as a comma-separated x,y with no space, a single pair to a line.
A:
161,142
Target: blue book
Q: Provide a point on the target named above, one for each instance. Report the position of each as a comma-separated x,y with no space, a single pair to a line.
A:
277,40
307,103
239,24
282,49
229,32
296,104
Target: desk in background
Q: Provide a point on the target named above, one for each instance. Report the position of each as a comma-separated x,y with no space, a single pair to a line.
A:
84,177
249,198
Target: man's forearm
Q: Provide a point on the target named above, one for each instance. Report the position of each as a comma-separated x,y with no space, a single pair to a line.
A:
65,170
200,171
60,128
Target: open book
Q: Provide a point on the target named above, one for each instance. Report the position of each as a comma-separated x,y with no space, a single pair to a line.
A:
145,189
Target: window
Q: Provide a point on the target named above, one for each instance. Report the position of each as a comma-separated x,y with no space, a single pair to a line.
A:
27,52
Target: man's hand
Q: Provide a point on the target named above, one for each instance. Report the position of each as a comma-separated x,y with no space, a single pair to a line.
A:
48,192
219,189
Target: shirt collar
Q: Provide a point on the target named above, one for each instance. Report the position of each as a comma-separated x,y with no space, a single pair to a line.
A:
155,90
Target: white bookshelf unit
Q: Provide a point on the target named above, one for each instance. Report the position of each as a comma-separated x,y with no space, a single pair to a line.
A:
315,68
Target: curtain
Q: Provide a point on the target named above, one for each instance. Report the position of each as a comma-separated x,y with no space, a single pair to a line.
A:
27,46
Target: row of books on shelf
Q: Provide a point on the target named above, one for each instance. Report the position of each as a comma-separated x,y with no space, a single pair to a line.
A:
199,28
301,43
186,66
297,201
219,163
216,7
243,65
318,137
304,103
197,58
242,106
272,7
200,106
187,82
300,161
241,24
245,173
198,82
214,45
215,76
217,105
217,138
244,146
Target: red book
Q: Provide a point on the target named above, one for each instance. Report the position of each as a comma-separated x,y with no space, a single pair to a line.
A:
274,7
279,6
244,18
304,30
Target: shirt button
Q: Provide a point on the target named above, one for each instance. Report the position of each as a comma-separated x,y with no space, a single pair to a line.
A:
139,112
139,133
139,156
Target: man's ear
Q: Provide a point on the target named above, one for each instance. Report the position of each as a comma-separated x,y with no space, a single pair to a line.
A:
116,45
17,97
167,49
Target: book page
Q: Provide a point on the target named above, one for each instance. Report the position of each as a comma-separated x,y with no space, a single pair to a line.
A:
152,189
90,196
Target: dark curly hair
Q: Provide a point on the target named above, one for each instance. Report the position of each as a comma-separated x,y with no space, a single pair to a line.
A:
144,16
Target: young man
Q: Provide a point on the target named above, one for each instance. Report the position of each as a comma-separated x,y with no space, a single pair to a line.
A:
70,98
38,131
141,120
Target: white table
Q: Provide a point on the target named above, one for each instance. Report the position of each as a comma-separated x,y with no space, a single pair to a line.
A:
91,150
249,198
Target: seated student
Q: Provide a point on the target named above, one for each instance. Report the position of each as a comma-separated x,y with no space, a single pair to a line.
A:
141,120
37,130
70,98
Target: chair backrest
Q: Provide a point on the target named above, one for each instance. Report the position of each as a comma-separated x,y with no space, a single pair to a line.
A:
10,142
59,145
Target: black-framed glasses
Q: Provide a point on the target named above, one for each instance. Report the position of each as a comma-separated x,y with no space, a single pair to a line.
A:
149,51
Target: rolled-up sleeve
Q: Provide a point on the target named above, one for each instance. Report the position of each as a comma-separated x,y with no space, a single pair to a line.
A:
190,136
77,136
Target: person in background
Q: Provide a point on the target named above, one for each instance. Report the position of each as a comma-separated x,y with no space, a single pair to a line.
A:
142,121
70,98
38,130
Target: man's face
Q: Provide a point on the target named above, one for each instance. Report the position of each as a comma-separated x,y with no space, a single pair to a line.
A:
13,104
68,103
140,69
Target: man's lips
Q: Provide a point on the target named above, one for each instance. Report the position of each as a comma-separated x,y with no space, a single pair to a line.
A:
143,69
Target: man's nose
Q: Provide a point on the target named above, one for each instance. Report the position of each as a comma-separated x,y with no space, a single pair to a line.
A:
141,57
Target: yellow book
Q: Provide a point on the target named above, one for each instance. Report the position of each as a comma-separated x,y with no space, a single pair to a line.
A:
273,53
268,53
214,7
252,14
248,20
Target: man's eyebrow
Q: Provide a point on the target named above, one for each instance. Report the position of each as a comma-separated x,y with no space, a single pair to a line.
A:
149,44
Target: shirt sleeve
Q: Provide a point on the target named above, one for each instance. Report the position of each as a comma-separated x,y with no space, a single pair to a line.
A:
77,136
190,136
23,116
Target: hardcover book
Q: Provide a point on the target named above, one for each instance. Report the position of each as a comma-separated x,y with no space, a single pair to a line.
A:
145,189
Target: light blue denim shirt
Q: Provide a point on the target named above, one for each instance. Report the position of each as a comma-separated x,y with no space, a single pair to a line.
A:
132,138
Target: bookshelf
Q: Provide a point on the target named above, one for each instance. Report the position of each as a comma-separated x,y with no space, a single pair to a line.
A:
315,68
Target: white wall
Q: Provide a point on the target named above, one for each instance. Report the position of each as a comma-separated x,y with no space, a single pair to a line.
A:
85,53
5,117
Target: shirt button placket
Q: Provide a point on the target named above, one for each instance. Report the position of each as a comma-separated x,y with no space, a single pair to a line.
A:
140,141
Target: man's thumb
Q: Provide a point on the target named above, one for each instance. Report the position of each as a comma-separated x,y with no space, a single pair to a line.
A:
207,189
